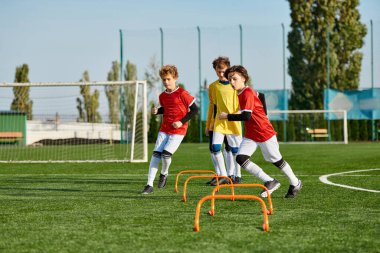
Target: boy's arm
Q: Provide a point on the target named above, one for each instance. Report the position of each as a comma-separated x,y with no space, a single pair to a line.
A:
160,110
193,110
210,111
262,99
156,110
244,116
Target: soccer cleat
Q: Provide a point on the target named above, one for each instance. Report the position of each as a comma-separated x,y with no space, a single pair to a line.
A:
237,180
162,181
147,190
212,181
271,186
221,181
224,181
293,190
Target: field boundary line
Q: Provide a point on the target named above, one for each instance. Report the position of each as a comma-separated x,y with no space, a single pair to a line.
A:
324,179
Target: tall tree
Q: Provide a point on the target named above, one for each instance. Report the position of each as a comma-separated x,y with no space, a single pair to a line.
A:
112,93
89,104
152,76
21,101
314,23
129,92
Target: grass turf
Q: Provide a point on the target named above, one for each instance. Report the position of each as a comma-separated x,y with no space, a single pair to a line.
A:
99,208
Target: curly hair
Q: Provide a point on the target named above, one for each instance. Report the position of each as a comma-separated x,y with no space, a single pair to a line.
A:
221,61
169,70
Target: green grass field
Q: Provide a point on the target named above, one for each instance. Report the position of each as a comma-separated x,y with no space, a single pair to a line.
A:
99,208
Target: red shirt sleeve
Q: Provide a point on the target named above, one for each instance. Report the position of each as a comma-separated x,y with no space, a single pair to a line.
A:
248,101
187,99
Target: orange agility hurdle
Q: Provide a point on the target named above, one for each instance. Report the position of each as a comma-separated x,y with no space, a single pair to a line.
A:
198,209
216,189
217,183
190,171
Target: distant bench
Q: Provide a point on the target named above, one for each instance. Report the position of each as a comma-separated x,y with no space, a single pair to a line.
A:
10,137
317,133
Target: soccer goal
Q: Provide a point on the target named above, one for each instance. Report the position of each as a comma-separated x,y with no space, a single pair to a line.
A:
73,122
310,126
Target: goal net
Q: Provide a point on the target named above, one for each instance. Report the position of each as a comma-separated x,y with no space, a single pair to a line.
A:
73,122
310,126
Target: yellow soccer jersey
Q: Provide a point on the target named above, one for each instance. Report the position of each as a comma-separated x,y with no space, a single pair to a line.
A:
226,100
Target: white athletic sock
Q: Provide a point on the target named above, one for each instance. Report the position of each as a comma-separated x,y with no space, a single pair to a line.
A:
228,157
153,167
220,163
287,170
237,172
166,161
215,164
255,170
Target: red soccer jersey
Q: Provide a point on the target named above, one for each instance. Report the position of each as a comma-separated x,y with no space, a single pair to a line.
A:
176,105
258,127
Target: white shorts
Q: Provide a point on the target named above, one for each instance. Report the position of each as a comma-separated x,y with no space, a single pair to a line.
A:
168,142
234,140
270,149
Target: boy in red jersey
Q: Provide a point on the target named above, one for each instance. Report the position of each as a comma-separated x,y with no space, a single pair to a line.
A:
177,107
258,132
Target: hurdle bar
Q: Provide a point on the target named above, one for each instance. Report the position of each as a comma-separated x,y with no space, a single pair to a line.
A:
199,205
192,177
190,171
217,188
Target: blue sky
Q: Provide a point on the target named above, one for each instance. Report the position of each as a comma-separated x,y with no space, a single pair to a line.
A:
59,40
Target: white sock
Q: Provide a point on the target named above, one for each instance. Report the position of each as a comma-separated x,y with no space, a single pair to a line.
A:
228,157
166,161
220,163
237,172
287,170
255,170
215,164
153,168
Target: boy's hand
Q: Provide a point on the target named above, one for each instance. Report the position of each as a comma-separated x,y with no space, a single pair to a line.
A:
223,115
154,110
206,131
177,124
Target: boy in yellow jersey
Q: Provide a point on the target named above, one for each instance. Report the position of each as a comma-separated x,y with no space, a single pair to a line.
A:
223,97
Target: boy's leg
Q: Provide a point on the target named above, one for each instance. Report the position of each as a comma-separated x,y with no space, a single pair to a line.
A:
235,141
217,154
213,180
247,148
229,158
271,153
171,146
211,133
162,138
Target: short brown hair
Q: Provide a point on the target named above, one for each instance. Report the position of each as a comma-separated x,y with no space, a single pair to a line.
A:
221,61
238,69
169,70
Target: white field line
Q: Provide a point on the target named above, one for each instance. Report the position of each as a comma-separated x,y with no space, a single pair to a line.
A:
324,179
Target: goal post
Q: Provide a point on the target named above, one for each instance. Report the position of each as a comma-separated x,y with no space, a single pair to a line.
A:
310,126
73,122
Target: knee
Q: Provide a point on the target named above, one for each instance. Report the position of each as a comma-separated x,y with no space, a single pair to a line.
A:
216,148
241,159
166,154
234,150
157,154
